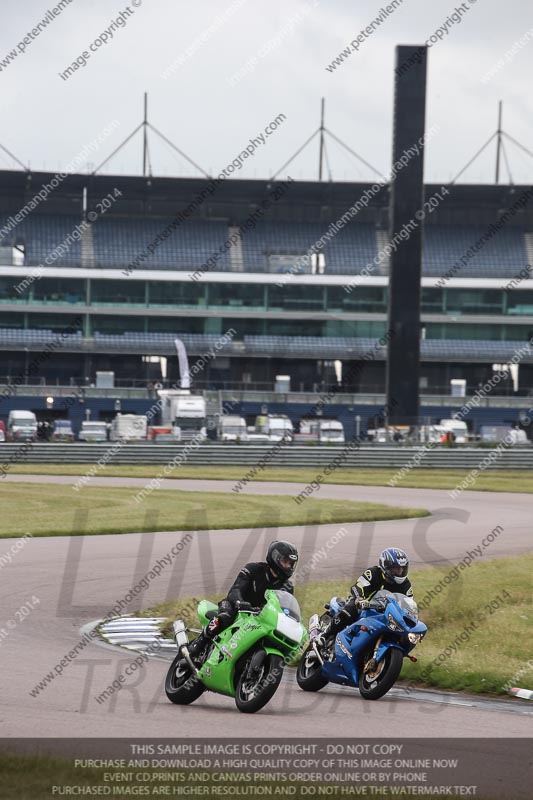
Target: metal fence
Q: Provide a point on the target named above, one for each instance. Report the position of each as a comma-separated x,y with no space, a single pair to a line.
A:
276,455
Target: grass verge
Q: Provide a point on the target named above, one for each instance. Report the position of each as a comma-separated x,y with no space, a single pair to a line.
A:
53,509
492,642
492,480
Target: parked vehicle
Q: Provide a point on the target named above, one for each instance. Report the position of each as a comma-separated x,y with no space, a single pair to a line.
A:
62,431
500,433
21,426
518,436
93,432
128,426
391,434
367,654
184,412
308,431
246,660
161,433
431,433
457,427
254,436
275,427
165,438
331,430
231,428
280,427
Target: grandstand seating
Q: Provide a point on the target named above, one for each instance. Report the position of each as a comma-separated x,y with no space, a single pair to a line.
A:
476,350
292,346
120,241
41,234
117,242
351,249
499,257
37,337
276,238
346,348
347,251
151,341
326,346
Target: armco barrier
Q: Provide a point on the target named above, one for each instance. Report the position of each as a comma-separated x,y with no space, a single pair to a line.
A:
291,455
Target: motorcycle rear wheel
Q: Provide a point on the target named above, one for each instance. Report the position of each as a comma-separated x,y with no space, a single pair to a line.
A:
309,673
181,687
253,693
389,668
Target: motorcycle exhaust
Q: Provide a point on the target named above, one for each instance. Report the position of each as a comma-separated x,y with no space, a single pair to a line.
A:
188,659
314,630
314,626
180,633
182,640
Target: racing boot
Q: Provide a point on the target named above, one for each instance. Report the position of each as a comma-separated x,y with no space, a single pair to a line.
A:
330,631
345,617
198,648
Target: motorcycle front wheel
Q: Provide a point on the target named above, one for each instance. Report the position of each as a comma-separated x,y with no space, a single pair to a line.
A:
373,685
181,686
254,691
309,672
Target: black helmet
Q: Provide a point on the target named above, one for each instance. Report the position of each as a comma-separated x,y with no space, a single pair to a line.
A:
282,557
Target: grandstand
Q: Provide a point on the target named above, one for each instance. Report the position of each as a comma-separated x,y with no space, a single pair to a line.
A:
113,243
148,269
118,242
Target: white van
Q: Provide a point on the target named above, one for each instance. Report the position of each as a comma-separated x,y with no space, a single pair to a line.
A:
21,426
128,426
271,428
331,430
232,427
93,431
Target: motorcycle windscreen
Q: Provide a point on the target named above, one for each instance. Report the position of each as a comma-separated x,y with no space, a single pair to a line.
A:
289,605
407,604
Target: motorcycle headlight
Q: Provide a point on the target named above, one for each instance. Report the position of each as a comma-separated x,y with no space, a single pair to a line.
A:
414,638
392,625
290,628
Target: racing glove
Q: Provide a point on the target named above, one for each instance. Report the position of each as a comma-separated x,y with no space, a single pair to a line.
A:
242,605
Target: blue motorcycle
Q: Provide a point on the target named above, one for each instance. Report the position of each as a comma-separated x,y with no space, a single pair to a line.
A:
367,654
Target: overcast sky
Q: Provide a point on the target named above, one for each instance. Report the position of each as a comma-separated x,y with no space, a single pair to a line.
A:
211,114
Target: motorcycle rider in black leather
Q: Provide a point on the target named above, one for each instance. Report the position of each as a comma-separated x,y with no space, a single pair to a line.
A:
248,590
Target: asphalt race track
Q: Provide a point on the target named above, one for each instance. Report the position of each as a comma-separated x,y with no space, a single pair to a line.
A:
78,579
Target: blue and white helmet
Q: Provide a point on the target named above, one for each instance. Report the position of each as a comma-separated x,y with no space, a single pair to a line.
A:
394,564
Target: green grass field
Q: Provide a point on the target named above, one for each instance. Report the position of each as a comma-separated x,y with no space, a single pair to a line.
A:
57,510
492,480
494,653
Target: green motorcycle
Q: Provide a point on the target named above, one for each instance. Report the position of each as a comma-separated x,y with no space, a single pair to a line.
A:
246,660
